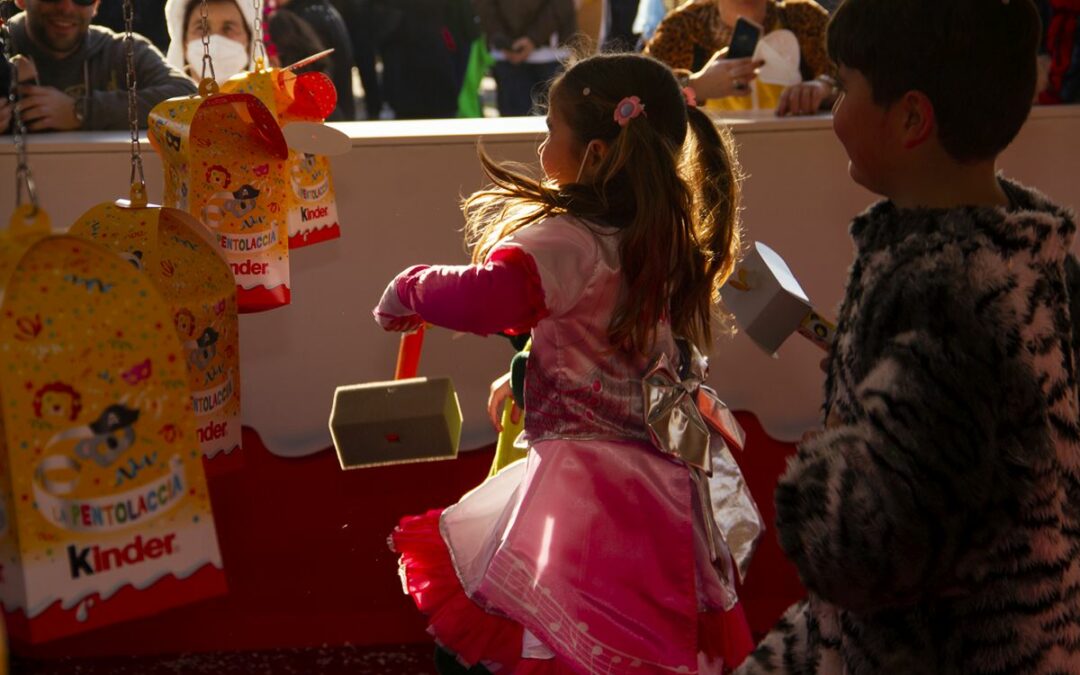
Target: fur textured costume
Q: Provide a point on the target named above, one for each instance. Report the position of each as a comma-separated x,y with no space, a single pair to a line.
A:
936,522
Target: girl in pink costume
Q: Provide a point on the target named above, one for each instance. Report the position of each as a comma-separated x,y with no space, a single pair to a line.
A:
609,548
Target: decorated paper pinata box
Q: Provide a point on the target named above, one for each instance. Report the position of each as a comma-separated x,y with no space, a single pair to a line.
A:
224,158
106,515
293,98
176,252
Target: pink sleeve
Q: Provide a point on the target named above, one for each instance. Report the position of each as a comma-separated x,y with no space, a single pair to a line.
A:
504,294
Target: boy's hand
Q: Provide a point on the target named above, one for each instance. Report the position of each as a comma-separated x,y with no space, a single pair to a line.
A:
722,77
500,392
804,98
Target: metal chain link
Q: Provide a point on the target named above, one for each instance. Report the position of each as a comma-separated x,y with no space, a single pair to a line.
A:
24,178
258,46
204,24
138,188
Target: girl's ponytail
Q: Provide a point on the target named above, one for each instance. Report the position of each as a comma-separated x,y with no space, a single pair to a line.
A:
711,170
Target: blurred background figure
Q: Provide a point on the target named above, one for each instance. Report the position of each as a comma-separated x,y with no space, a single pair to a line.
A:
230,24
149,20
691,38
528,41
619,35
425,55
331,31
1060,61
295,39
649,15
79,69
369,22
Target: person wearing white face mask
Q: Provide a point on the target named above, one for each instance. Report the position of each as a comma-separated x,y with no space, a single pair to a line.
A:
230,27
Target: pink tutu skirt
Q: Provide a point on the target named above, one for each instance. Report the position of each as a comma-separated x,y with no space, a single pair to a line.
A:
631,591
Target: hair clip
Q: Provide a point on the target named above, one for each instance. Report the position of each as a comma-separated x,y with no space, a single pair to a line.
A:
627,109
690,95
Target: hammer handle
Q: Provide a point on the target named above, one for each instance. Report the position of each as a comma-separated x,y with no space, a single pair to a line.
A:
408,359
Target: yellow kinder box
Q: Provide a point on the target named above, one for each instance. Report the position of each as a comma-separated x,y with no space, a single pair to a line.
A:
180,258
224,161
292,98
106,514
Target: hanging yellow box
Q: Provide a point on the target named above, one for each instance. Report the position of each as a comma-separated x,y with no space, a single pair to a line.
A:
224,158
175,251
308,97
106,511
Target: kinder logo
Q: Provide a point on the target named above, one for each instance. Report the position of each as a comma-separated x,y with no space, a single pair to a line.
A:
213,431
89,561
307,214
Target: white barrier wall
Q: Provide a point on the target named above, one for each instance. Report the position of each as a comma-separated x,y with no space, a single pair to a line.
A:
398,193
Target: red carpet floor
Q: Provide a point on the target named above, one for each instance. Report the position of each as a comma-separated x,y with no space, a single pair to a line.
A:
411,659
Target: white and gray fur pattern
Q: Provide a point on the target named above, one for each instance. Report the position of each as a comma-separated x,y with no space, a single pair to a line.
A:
936,522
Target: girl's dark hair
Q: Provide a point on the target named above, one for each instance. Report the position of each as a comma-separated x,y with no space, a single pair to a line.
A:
674,195
974,59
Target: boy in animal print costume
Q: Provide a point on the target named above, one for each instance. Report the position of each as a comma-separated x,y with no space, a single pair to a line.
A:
935,520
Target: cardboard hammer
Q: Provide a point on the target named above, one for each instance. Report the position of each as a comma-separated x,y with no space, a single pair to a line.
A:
769,305
407,419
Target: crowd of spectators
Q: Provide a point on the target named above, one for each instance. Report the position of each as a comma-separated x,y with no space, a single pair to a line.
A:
430,58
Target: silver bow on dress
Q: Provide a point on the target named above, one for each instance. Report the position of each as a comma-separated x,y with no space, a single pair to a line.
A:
687,420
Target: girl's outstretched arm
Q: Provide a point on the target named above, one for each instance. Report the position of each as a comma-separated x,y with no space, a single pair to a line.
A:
505,294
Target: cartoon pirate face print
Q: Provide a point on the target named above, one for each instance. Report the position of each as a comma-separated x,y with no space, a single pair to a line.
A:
135,258
109,436
242,202
205,349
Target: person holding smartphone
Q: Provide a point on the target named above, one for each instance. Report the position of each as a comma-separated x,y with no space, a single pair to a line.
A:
82,69
697,41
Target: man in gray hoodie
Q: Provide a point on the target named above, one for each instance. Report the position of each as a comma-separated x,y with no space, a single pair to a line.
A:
81,70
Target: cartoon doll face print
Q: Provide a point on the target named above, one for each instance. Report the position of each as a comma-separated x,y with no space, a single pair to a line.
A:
57,401
185,322
219,177
113,434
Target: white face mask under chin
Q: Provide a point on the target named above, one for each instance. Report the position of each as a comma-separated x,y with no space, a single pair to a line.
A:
229,57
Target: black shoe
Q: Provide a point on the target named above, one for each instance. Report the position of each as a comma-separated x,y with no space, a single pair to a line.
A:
447,664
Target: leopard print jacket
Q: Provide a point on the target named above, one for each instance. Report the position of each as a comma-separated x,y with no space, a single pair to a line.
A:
688,37
936,521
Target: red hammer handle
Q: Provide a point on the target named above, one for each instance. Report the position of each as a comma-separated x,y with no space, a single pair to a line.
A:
408,359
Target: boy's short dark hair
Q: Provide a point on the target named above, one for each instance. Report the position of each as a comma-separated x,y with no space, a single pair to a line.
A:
974,59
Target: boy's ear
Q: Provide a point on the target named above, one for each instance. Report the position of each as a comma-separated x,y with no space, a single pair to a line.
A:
919,122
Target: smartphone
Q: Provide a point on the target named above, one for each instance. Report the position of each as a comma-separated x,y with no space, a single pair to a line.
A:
744,39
